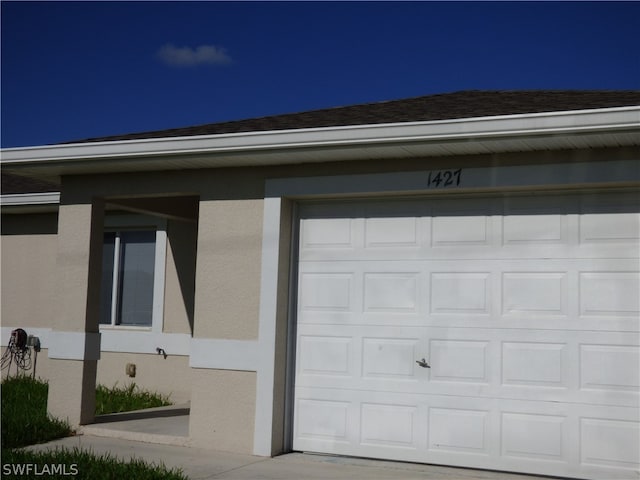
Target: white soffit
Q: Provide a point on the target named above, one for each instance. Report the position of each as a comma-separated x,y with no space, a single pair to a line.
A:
526,132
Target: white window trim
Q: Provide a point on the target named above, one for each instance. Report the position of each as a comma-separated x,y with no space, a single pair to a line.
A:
114,222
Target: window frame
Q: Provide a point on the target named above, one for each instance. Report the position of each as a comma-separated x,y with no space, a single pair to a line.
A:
139,222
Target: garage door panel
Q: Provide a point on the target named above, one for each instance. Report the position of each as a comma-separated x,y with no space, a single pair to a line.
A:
535,293
327,234
608,442
511,364
455,360
389,425
325,355
546,439
399,233
609,293
390,358
525,308
338,420
535,364
377,293
600,228
470,431
392,291
463,230
612,368
537,222
550,226
460,293
326,291
598,294
459,430
360,361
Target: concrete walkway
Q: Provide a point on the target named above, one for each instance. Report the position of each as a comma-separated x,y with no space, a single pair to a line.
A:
160,436
163,425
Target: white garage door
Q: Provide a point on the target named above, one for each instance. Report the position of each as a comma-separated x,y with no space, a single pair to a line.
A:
526,309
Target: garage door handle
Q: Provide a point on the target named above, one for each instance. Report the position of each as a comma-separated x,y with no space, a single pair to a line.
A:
423,363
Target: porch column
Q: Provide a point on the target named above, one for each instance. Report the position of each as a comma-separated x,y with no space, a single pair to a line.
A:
74,345
225,353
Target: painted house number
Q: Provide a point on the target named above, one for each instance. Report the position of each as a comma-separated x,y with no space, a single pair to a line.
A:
444,178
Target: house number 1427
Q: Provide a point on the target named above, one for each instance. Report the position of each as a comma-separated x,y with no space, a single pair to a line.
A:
444,178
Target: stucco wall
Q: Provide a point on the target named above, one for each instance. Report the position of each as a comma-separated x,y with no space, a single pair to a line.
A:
223,410
42,364
170,376
228,269
29,247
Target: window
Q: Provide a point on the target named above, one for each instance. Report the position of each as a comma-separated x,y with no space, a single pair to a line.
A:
131,292
128,265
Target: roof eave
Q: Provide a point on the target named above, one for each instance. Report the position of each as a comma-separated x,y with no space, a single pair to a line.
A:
329,143
30,202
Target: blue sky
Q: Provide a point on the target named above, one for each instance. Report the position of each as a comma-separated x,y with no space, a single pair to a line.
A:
73,70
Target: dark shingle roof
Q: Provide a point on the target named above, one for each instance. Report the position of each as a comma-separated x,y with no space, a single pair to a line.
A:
16,184
465,104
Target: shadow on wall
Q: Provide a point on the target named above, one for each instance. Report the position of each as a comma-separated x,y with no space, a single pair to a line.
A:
183,238
30,224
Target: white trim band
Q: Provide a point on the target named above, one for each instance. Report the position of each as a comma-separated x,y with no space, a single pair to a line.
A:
224,354
124,340
74,345
118,340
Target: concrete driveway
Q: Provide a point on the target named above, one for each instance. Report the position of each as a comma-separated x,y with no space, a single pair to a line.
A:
206,464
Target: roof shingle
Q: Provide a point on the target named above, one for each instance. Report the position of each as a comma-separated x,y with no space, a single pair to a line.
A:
464,104
13,184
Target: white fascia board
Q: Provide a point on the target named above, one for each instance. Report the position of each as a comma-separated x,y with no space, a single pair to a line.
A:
566,122
30,199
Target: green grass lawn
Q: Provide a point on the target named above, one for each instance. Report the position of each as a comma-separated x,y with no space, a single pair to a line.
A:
76,463
125,399
24,414
25,422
